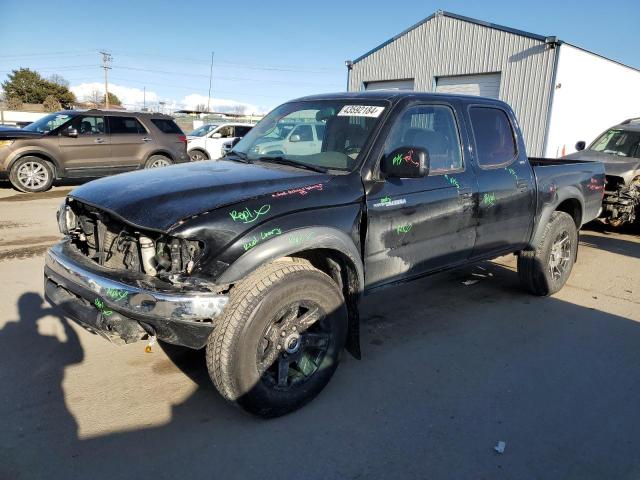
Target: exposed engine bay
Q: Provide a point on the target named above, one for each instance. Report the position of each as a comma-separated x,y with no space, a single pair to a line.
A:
114,244
621,203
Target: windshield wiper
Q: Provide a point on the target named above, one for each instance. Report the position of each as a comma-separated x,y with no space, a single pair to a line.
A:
293,163
239,156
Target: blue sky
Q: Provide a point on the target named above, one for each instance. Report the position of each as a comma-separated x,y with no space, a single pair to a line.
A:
265,51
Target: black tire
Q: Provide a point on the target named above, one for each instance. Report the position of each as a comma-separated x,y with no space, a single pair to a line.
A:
253,363
545,270
31,175
157,161
197,155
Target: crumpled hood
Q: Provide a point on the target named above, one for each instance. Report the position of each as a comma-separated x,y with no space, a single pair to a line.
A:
625,167
158,198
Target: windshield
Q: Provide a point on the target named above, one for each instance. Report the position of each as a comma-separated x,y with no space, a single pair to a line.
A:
203,130
323,133
624,143
48,123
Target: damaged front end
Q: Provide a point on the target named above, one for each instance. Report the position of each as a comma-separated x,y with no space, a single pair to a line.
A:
126,284
621,202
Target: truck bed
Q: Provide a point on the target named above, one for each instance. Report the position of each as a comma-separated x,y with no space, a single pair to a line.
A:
559,176
543,162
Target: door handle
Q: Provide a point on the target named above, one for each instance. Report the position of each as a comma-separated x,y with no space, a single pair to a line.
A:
98,140
522,185
147,139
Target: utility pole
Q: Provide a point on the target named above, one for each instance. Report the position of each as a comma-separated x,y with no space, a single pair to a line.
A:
210,81
106,59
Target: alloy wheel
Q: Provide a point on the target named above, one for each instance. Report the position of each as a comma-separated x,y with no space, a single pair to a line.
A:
33,175
293,345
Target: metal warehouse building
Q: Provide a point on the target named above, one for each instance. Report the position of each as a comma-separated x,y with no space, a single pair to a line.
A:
561,93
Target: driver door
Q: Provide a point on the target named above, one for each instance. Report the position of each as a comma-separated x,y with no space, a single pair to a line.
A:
301,141
214,145
419,225
90,150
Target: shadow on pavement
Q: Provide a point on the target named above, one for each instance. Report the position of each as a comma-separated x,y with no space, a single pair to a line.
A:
448,370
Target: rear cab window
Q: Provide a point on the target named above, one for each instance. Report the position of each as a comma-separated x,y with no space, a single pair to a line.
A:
493,135
166,126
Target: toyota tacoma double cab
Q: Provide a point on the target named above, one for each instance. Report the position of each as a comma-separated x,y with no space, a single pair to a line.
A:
261,259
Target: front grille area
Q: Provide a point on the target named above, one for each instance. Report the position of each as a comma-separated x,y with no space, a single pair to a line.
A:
114,244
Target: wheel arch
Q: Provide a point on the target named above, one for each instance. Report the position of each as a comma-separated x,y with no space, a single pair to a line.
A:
568,200
159,151
327,249
40,154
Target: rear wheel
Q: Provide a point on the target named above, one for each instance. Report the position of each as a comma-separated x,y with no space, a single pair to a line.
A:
545,270
157,161
31,175
280,339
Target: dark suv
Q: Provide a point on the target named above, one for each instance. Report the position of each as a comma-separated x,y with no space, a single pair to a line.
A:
90,143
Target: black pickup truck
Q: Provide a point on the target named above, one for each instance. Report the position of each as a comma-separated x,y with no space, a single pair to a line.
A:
262,257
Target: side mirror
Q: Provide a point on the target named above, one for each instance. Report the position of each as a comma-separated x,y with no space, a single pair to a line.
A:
216,135
294,138
70,132
235,141
406,162
581,145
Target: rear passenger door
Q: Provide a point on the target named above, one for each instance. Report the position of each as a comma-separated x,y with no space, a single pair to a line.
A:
505,181
130,142
418,225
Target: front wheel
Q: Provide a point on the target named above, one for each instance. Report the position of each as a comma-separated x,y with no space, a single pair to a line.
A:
280,340
198,155
31,175
545,270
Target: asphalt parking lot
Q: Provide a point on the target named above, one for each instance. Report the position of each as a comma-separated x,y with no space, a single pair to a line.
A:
448,370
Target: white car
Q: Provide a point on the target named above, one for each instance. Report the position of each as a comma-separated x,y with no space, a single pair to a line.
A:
300,139
205,143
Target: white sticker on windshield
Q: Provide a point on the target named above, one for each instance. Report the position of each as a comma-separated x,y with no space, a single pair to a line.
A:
360,111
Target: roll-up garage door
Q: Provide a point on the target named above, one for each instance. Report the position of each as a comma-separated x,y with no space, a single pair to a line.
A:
390,85
483,85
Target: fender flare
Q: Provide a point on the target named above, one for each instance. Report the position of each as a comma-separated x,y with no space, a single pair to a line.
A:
163,152
319,238
563,193
34,152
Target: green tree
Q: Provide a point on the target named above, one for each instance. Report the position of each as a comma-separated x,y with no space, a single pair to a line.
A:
113,99
29,86
51,104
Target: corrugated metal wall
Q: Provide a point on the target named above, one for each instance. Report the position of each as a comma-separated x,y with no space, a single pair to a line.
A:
449,46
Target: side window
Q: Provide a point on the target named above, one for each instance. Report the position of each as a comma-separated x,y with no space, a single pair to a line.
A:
434,128
495,143
88,125
167,126
304,132
226,132
125,125
242,131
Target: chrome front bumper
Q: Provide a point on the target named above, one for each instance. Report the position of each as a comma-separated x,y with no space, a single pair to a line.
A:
124,305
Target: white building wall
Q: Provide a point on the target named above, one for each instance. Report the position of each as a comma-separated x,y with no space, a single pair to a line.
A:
591,93
13,116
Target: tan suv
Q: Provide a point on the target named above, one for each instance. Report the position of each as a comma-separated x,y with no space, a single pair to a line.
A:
90,143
